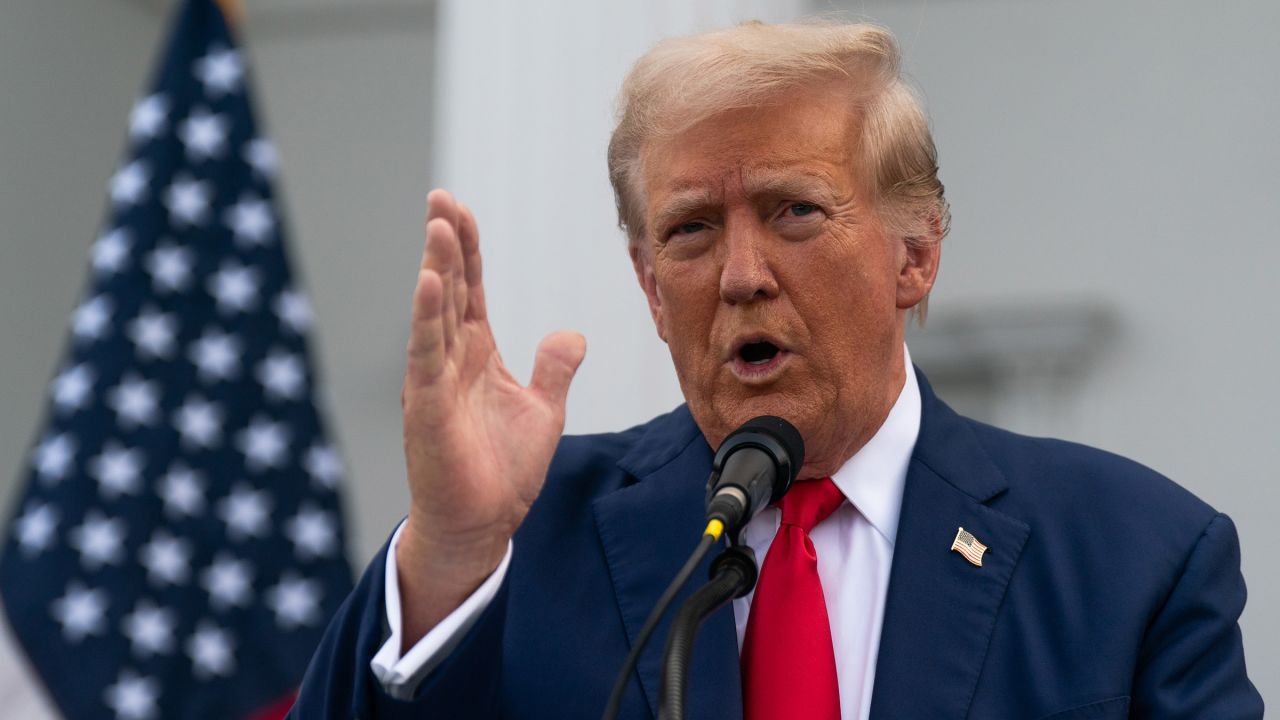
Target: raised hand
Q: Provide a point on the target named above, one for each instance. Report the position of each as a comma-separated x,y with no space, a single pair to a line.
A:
477,443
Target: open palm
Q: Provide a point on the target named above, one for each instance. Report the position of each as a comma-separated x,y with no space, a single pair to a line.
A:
477,442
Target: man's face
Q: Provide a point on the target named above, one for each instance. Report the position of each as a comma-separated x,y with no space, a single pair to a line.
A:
770,278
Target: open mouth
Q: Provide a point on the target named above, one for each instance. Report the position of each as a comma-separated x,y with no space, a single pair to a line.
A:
758,361
758,353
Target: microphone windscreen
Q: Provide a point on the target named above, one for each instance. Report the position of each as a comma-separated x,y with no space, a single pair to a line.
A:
785,433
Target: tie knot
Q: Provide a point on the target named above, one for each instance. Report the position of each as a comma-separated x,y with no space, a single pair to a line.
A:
809,502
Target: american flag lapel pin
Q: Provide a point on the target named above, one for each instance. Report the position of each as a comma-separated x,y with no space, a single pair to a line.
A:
968,546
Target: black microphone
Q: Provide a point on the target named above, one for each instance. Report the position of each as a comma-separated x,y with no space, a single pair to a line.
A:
754,466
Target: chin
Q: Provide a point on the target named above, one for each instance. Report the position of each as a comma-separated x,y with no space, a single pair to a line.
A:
728,414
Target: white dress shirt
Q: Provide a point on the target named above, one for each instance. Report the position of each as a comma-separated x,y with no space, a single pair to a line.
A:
854,547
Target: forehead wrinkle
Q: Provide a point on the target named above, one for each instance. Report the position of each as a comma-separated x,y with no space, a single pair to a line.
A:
789,182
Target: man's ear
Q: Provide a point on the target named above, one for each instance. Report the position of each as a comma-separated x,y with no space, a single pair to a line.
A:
649,284
919,266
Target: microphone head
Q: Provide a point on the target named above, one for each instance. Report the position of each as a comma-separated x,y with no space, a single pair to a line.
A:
775,436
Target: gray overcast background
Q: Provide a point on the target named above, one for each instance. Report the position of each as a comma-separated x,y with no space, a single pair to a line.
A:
1112,168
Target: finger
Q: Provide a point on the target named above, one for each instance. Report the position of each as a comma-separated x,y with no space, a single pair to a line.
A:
459,280
426,352
442,205
444,259
559,355
469,238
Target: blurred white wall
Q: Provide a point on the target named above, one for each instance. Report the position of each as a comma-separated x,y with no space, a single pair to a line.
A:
1115,157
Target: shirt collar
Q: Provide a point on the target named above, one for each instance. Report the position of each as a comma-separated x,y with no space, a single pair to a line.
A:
874,478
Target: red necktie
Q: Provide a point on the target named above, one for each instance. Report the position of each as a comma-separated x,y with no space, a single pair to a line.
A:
788,664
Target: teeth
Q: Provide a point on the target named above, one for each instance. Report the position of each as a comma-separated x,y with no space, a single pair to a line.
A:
758,362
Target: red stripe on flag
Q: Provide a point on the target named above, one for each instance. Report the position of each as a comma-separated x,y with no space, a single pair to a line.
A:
276,710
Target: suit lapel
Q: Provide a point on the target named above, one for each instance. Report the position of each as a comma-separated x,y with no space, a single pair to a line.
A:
940,610
648,529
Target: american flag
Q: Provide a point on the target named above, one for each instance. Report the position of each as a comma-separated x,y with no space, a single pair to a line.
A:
179,547
968,546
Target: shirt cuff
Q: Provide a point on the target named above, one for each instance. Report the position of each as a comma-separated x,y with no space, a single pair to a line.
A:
399,674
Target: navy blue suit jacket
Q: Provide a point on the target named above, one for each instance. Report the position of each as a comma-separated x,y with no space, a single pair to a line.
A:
1107,592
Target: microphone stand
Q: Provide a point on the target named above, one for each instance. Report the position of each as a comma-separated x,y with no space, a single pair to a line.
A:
733,574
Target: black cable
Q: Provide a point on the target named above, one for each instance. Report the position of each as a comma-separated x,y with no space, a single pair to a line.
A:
733,574
655,615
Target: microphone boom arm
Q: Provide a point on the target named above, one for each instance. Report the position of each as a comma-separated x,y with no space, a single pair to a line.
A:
733,574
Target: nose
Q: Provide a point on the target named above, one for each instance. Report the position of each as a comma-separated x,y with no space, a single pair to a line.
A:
746,275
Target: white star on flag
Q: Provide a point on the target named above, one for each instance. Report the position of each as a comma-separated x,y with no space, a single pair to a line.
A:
245,511
263,443
146,120
210,650
250,221
133,697
170,267
99,540
92,319
150,629
323,465
216,355
235,287
313,532
53,457
71,387
182,491
188,200
153,334
80,611
167,559
199,422
262,157
129,183
220,71
110,251
296,601
135,401
282,375
36,527
204,135
227,582
117,469
293,310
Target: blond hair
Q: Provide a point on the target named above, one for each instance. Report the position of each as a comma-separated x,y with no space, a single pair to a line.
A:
682,81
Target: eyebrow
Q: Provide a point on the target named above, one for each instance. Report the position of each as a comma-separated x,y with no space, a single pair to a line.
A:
791,184
769,184
682,203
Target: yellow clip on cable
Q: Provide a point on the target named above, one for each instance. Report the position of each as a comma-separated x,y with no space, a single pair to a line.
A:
715,529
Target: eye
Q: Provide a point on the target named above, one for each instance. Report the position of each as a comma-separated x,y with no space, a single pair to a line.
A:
689,228
799,220
800,209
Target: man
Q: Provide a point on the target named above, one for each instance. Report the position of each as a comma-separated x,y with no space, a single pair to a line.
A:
779,189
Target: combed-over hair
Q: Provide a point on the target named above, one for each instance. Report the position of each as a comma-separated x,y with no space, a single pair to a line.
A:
683,81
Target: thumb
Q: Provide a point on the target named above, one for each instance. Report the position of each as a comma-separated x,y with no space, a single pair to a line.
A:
559,355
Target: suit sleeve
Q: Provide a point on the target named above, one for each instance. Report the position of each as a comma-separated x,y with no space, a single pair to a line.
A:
1192,661
340,682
